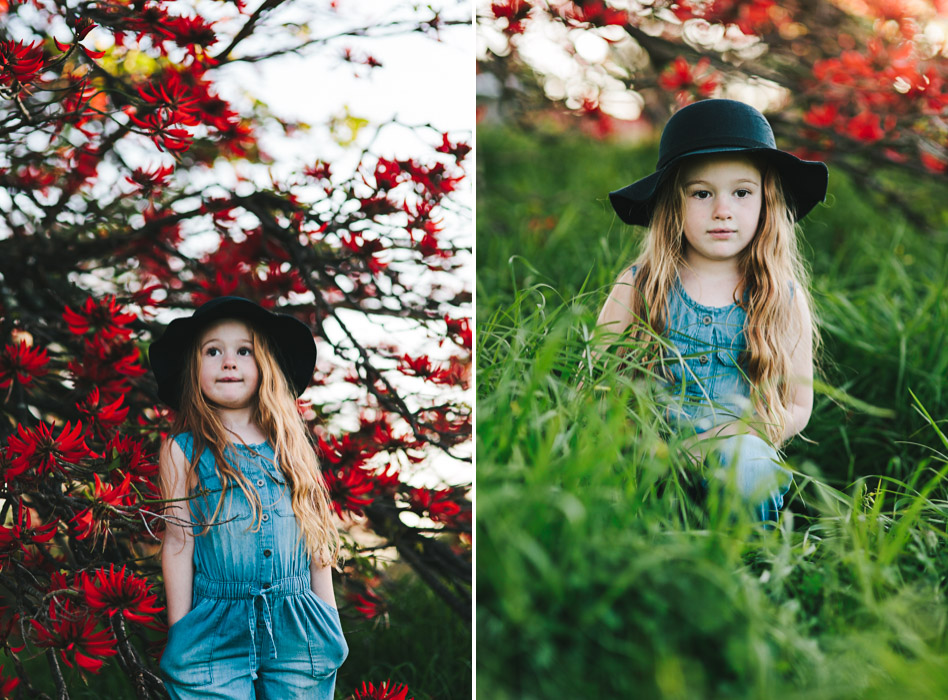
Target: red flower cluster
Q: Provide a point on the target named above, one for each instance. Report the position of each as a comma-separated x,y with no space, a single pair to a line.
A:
104,319
102,418
460,331
71,632
457,373
592,12
149,182
752,17
167,104
429,181
457,150
108,501
369,604
441,506
385,691
22,363
121,592
7,685
22,534
515,12
690,82
254,267
109,360
869,95
20,63
350,488
37,451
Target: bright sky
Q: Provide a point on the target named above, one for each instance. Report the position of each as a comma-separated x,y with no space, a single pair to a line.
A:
421,81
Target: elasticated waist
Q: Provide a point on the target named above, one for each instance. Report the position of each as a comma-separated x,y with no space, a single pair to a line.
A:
236,590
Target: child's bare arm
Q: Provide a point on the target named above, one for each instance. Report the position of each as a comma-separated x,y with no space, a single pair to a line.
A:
801,372
615,315
177,564
321,581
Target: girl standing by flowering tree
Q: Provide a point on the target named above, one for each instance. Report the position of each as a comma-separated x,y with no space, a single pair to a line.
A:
250,539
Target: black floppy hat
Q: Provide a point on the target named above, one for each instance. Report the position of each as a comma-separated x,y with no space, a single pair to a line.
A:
291,339
721,126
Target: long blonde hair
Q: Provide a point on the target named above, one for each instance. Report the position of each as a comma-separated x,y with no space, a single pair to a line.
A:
276,414
772,272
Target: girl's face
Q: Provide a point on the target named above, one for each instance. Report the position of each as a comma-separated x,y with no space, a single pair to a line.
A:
723,198
229,373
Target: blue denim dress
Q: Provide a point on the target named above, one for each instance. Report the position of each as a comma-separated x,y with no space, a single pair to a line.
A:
255,628
708,386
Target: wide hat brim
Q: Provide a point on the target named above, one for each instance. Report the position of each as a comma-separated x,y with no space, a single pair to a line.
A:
721,126
291,340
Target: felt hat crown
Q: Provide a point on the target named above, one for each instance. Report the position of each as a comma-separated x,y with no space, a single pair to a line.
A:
721,126
291,340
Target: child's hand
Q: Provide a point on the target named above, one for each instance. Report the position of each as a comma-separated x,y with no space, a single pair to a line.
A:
700,445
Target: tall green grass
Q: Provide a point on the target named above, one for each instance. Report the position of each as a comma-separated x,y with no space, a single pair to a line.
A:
602,571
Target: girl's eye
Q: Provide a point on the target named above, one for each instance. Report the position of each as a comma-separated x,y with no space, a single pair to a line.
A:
245,352
212,352
743,193
700,194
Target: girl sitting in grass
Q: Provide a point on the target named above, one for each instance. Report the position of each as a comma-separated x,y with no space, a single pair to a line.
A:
720,281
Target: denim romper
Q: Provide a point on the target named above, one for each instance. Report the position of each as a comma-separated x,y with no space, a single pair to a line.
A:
708,386
255,628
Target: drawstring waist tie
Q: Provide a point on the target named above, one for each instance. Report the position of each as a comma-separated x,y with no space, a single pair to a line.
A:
254,591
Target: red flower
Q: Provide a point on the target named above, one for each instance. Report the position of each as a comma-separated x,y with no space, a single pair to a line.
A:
514,11
700,79
439,504
19,62
108,366
36,449
151,180
108,501
72,633
821,115
368,603
132,458
459,150
594,12
350,489
932,163
460,331
102,419
22,363
7,685
119,592
104,319
865,126
191,33
385,691
22,533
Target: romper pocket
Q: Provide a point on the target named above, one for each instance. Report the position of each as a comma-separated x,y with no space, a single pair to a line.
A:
186,661
207,495
327,645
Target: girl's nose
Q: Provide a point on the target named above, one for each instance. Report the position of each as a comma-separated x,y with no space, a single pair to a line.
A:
721,209
230,361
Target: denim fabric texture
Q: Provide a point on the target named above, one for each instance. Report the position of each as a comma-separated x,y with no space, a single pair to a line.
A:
255,628
708,386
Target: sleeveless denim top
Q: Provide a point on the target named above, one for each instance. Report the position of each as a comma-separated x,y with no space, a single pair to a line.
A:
706,376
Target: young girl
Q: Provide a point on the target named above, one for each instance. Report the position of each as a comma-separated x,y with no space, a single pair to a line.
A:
720,280
249,539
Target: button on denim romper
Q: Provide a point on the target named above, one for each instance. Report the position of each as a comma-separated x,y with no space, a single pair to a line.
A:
708,387
255,628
